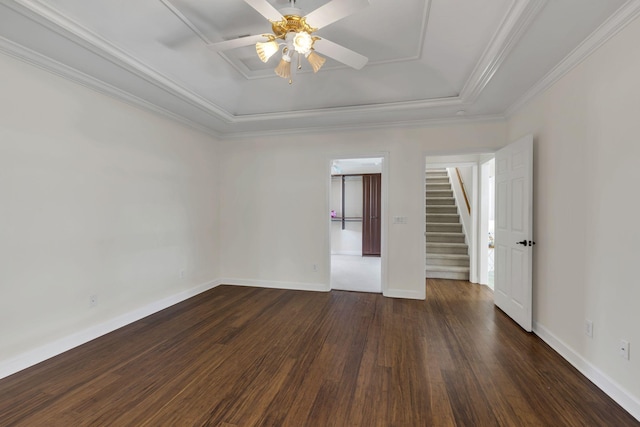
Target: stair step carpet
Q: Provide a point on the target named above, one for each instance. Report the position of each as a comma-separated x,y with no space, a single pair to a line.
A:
447,252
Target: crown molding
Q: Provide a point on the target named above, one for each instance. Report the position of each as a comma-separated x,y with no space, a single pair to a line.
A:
620,19
186,21
47,64
405,124
66,27
516,22
52,66
73,31
372,108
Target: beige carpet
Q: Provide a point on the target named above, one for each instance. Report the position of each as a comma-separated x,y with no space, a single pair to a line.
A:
356,273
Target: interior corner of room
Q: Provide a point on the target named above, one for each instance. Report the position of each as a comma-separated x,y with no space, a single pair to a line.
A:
124,192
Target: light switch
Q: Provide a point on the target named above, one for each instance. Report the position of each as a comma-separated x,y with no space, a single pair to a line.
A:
399,219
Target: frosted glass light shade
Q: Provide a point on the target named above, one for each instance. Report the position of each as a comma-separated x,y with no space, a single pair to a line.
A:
284,67
266,50
315,60
302,42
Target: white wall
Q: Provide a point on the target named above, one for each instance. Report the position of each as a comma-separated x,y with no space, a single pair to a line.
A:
586,188
262,247
352,196
96,198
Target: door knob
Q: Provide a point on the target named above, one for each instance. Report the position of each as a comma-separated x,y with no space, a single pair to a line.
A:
523,243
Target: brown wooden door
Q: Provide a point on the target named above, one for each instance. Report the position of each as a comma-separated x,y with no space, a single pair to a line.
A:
371,214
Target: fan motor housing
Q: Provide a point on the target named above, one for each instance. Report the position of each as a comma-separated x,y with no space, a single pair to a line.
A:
291,23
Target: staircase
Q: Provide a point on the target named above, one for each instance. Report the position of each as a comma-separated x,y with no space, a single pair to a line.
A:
447,252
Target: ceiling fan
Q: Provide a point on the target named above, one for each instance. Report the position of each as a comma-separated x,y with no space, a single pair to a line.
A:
293,35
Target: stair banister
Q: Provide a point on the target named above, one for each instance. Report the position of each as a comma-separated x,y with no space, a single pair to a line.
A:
464,191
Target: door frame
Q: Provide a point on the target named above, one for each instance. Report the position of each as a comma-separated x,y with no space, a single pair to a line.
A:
483,221
384,155
476,239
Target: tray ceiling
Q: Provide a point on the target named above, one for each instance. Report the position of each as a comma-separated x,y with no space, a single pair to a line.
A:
428,60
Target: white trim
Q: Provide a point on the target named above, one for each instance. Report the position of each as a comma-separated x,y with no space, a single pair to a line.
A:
50,65
405,294
66,27
616,22
270,284
474,249
386,107
404,124
516,22
59,69
49,350
614,390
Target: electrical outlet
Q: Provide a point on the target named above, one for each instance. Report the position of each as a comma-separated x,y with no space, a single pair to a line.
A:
623,349
588,328
93,300
182,274
315,268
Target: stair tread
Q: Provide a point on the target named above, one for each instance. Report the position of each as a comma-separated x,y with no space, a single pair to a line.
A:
444,244
456,269
448,256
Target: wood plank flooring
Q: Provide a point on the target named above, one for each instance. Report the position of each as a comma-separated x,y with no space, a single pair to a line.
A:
237,356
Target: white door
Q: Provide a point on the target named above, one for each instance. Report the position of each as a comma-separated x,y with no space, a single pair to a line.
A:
514,230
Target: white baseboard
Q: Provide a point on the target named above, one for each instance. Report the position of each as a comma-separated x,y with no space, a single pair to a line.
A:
47,351
400,293
55,348
354,253
317,287
629,402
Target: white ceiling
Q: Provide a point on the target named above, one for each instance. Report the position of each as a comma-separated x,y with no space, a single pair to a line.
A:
429,61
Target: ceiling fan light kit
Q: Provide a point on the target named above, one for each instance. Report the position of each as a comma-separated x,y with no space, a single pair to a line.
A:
296,36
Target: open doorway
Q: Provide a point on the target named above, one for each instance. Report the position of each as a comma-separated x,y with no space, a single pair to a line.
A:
356,224
459,206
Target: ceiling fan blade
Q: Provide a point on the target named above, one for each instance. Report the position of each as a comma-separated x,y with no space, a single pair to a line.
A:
334,11
340,53
235,43
265,9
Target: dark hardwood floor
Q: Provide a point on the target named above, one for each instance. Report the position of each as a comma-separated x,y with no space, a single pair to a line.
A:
237,356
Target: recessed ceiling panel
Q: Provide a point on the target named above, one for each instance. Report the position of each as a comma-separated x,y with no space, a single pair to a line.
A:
428,59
